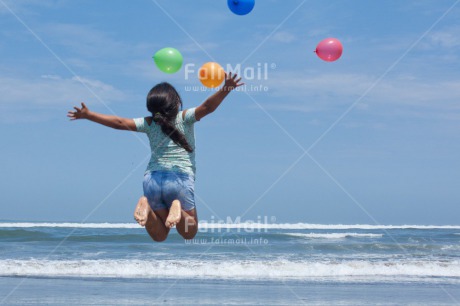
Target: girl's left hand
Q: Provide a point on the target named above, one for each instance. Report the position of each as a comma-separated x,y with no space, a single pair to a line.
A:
80,113
231,82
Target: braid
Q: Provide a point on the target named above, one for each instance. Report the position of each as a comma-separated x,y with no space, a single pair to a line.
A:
169,129
164,102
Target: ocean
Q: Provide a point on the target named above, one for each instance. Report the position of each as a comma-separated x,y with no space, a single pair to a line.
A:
231,264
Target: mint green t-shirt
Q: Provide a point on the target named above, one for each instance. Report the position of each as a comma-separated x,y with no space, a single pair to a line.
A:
166,155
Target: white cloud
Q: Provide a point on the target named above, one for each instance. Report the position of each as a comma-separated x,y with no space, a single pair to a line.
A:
193,47
296,84
51,77
39,97
89,42
26,6
446,39
328,91
283,37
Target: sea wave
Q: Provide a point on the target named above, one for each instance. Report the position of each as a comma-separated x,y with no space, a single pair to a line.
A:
233,269
242,225
67,225
335,235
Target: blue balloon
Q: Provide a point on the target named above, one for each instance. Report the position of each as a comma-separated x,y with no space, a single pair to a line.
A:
241,7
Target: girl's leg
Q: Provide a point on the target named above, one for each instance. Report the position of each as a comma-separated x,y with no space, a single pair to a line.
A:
152,220
161,215
178,189
188,224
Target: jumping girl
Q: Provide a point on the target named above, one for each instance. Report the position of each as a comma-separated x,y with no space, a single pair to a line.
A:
169,181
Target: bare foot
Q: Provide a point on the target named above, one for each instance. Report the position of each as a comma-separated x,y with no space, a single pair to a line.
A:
141,213
174,214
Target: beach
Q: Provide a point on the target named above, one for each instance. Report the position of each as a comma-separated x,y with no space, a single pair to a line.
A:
81,291
290,264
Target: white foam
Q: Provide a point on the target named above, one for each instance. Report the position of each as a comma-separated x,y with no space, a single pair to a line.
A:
335,235
242,225
450,247
232,269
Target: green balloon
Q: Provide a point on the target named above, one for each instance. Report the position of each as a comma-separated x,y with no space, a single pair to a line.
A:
168,60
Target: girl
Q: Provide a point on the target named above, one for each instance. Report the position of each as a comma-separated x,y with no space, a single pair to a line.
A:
169,180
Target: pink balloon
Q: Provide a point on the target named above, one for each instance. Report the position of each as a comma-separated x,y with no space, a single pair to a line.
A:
329,49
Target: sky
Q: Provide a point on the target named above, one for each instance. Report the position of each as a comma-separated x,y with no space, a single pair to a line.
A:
372,138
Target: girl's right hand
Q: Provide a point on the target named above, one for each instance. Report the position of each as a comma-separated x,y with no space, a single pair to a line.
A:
231,82
80,113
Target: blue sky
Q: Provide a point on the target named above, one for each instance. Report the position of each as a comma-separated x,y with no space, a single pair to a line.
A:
391,159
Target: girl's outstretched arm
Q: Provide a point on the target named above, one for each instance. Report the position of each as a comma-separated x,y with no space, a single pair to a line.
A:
213,102
107,120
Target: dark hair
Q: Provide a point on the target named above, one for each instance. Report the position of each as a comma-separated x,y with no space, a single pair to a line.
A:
164,102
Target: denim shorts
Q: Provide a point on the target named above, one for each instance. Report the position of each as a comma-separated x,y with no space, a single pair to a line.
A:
161,188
